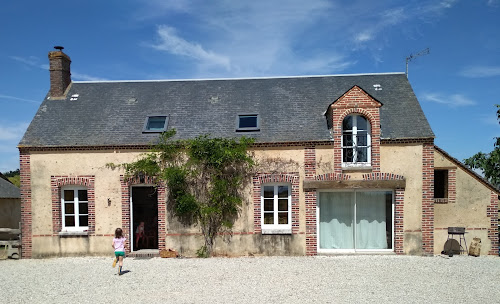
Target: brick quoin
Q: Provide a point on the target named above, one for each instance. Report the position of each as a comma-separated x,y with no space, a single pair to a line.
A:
126,189
311,223
492,213
355,101
26,213
310,161
428,198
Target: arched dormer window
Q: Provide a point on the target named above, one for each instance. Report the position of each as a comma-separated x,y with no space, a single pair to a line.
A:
356,141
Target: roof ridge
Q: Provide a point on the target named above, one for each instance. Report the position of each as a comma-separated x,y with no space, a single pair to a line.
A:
241,78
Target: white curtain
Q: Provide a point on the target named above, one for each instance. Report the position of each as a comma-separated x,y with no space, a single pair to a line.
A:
336,229
336,220
371,220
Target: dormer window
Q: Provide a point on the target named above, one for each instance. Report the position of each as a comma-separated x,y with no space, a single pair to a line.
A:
356,141
155,124
247,123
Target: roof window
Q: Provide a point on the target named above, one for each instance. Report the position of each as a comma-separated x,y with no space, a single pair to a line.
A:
248,123
155,124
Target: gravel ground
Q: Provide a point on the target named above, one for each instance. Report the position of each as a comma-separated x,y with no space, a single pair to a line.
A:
332,279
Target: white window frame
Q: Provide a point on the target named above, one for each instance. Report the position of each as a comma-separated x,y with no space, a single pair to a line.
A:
276,228
354,133
77,214
355,250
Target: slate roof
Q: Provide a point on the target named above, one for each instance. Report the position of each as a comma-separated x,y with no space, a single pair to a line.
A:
8,190
291,109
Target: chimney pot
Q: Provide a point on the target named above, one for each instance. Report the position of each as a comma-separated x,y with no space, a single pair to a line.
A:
60,72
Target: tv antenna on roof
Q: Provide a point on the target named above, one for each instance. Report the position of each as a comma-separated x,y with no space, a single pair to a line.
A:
413,56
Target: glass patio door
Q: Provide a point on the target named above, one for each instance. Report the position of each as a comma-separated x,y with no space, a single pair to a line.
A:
355,220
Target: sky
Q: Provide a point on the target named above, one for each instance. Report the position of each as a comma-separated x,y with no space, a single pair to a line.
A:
456,83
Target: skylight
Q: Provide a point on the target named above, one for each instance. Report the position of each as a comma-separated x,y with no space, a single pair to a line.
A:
156,124
248,122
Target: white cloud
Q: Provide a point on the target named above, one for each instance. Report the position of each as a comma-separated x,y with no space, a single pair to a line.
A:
34,62
172,43
10,135
454,100
17,98
31,60
493,3
85,77
480,71
12,132
261,37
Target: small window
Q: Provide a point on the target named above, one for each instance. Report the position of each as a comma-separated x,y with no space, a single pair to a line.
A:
75,209
440,183
276,209
247,122
155,124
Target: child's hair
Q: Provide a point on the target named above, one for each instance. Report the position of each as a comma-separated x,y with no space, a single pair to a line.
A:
118,233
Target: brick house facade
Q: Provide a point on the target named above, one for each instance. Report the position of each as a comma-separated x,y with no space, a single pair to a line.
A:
356,172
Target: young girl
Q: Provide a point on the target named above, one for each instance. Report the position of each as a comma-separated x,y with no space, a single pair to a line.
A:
119,247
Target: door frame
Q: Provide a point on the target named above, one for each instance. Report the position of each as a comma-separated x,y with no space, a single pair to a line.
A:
131,206
354,250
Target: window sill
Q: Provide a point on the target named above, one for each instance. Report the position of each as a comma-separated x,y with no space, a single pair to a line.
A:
277,231
248,130
440,201
357,167
73,233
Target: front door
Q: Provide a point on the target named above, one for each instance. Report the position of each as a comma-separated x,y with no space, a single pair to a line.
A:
144,218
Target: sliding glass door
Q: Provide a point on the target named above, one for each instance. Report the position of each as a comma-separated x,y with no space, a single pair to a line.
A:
355,221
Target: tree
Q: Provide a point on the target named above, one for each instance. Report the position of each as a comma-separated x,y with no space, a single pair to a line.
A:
489,163
14,177
204,177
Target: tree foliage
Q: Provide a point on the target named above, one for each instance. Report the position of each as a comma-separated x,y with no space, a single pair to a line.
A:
489,163
14,177
204,177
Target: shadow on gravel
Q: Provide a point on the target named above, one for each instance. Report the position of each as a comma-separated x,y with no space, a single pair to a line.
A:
125,272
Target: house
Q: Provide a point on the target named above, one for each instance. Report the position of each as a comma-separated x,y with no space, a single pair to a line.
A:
10,204
348,165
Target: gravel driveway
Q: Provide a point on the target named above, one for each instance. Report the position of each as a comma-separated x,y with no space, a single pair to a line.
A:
337,279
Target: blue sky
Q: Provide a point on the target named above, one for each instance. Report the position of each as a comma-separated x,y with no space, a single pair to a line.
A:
457,83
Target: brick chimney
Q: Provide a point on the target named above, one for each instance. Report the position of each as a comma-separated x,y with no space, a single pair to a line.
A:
60,73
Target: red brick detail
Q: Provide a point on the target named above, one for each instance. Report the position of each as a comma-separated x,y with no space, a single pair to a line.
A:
267,178
148,146
428,198
492,213
452,185
26,213
162,208
311,223
399,221
382,176
355,101
56,183
332,176
310,161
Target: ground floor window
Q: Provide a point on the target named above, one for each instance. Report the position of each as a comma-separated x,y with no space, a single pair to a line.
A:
276,208
355,220
75,208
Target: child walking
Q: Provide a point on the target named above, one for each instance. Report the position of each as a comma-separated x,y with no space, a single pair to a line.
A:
119,247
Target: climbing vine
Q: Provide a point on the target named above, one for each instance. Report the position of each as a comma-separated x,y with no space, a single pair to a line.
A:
204,177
